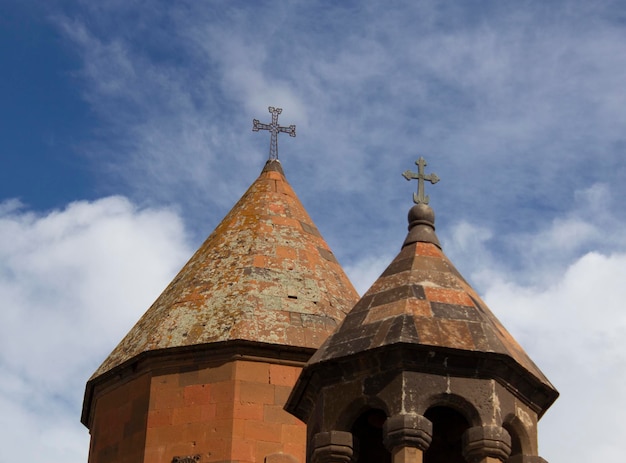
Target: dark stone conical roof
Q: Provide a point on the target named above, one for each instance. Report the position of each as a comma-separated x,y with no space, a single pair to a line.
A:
423,304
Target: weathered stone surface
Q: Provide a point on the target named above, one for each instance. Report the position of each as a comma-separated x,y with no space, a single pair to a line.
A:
407,430
265,274
481,442
422,286
421,315
332,447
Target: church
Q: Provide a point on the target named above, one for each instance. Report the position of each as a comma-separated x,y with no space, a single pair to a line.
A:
261,351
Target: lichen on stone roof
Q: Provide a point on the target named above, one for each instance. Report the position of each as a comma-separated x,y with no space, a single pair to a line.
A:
265,274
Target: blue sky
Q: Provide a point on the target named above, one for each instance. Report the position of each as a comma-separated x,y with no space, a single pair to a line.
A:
125,137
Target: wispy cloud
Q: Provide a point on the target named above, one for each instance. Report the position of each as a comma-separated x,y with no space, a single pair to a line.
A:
511,104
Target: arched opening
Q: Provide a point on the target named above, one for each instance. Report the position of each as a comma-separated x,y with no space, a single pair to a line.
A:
368,431
516,443
448,428
519,438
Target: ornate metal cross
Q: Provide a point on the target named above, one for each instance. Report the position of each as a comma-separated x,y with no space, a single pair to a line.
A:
419,197
274,128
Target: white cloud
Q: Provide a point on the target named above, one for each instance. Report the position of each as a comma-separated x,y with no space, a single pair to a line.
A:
72,282
576,331
364,272
36,422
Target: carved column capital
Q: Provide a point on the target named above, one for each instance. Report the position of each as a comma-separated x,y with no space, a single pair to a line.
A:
481,442
333,447
407,430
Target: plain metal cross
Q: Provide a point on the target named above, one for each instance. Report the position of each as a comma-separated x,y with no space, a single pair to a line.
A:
419,197
274,129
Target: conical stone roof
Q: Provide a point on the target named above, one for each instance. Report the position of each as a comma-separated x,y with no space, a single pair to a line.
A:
423,306
264,275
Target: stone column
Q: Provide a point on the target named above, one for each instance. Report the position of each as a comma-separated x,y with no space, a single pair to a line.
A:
333,447
486,444
407,437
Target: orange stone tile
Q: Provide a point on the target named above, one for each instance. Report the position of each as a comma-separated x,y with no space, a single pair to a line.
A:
262,187
428,331
224,410
281,394
280,187
293,433
256,392
155,454
260,261
315,337
286,222
286,252
276,414
447,296
388,282
208,412
198,394
276,208
288,190
159,418
295,335
222,392
252,371
427,249
262,431
284,375
456,334
167,399
196,431
419,308
248,411
188,378
164,435
217,449
239,427
386,311
304,257
186,415
274,175
220,429
242,450
164,383
298,450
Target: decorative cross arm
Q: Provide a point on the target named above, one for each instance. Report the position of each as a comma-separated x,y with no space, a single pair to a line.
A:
274,130
420,197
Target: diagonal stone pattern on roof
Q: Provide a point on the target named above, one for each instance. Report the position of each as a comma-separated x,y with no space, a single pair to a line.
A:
265,274
422,299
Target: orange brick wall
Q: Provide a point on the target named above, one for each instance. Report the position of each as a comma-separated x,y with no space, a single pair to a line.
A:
228,413
119,427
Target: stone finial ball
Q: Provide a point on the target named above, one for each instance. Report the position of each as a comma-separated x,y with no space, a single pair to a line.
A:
421,213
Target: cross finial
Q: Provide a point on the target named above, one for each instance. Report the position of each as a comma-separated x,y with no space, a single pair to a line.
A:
420,197
274,129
